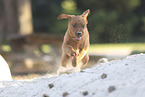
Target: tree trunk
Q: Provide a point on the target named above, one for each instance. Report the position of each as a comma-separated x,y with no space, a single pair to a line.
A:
11,15
25,16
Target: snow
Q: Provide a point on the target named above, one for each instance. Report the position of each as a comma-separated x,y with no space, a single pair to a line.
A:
5,73
118,78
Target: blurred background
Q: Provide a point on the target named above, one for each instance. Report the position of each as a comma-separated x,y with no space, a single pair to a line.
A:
31,36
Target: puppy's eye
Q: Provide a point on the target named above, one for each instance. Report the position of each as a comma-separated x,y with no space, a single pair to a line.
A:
74,25
83,26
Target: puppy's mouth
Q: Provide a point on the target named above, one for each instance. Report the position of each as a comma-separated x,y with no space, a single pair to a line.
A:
78,38
78,35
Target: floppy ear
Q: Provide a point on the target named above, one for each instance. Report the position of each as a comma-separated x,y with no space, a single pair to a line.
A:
64,16
86,13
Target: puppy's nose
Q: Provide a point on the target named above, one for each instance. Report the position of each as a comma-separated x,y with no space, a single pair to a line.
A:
79,33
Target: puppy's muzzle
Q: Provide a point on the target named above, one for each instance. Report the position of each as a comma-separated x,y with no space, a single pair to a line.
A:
79,33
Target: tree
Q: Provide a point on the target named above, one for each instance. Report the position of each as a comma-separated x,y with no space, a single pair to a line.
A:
111,20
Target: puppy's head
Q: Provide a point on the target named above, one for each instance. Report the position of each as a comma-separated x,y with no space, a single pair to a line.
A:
77,25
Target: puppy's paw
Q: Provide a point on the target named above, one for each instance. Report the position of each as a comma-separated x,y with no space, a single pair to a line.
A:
73,54
64,70
61,70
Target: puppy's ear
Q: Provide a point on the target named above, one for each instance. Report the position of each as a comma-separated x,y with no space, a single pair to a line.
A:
64,16
86,13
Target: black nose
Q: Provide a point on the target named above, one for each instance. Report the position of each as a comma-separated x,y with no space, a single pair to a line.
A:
79,33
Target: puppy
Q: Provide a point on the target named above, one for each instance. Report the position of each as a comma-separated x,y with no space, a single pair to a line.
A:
76,40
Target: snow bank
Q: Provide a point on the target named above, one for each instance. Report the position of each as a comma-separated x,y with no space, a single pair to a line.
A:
5,74
120,78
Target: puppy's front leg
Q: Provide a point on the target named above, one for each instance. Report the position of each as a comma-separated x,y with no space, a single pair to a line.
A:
74,61
78,58
82,53
85,60
69,50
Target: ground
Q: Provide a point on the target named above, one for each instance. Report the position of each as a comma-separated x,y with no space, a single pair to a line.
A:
118,78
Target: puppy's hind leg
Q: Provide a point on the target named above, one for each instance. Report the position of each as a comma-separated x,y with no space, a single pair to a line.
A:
64,60
62,68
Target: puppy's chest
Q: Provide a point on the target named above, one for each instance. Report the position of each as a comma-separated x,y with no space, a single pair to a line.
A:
79,47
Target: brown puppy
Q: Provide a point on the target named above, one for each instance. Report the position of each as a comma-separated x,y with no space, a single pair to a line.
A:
76,40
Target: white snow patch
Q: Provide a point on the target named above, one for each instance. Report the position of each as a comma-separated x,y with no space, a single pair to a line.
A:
5,74
126,76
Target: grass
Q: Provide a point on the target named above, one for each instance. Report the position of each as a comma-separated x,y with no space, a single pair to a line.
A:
117,47
6,48
97,47
46,48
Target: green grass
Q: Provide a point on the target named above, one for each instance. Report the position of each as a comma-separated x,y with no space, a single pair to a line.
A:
6,48
117,47
94,48
46,48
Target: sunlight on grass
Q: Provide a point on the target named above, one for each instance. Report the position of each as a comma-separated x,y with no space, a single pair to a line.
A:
117,47
6,48
96,48
36,51
69,6
46,48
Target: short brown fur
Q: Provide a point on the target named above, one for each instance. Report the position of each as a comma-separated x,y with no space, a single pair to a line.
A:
76,40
